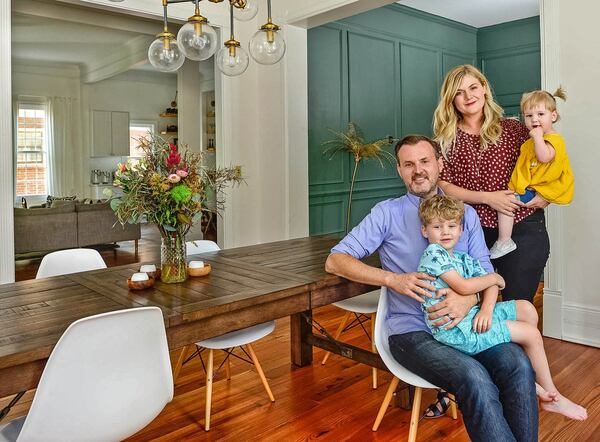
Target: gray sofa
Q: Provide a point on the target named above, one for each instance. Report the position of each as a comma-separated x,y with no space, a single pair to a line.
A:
68,226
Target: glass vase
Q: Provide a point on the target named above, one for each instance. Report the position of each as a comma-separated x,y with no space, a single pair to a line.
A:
173,258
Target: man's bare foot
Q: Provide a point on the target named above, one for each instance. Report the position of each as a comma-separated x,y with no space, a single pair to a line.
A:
545,395
565,407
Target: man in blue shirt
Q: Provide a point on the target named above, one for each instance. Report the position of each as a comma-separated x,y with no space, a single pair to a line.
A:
495,389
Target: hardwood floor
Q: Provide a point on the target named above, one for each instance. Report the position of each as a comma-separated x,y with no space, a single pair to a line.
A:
332,402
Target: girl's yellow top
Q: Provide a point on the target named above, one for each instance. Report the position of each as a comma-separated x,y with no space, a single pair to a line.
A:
554,180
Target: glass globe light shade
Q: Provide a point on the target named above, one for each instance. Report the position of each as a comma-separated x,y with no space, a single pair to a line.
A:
198,41
248,12
165,59
264,51
232,65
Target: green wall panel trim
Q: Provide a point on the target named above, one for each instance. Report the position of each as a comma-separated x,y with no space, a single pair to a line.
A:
410,24
509,35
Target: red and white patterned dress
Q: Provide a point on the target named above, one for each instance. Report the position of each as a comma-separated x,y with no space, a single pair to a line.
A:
488,171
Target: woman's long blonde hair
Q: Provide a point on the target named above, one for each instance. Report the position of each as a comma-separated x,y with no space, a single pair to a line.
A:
446,117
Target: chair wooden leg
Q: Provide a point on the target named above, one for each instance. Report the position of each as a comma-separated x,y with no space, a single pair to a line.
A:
386,402
185,351
228,366
260,372
453,410
136,247
414,416
373,348
338,333
209,380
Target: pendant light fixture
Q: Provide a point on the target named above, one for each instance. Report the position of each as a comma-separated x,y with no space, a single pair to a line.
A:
164,53
267,46
232,60
197,40
246,12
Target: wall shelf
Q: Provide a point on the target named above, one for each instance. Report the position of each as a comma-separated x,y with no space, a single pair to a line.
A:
166,115
168,133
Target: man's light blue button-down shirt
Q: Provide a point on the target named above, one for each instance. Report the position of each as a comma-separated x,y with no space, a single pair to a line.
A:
393,228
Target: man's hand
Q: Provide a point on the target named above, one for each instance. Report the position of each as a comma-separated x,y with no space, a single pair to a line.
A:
451,310
483,320
415,285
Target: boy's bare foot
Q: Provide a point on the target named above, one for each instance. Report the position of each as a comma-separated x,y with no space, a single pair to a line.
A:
565,407
545,395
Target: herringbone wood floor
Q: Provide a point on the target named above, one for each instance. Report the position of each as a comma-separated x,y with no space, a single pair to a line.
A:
334,402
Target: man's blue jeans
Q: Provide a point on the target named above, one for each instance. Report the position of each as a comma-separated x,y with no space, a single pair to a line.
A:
495,389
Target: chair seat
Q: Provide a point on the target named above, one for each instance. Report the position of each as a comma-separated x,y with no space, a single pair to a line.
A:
366,303
239,337
10,432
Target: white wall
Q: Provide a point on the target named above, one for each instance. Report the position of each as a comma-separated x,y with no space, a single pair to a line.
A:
571,56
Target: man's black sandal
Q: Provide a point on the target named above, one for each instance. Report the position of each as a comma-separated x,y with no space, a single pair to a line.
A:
439,407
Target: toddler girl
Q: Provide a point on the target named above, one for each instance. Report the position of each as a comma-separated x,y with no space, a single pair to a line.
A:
492,323
543,165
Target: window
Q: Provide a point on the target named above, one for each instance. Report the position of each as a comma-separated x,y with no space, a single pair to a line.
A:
138,129
32,151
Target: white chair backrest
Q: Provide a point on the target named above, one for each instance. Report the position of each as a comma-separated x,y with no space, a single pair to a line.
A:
382,335
108,376
64,262
201,246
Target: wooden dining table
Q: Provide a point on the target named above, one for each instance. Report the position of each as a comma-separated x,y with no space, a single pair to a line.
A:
247,286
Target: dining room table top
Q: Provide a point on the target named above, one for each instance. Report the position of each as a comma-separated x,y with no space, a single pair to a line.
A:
35,313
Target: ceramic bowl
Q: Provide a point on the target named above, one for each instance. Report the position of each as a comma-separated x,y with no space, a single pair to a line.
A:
140,285
202,271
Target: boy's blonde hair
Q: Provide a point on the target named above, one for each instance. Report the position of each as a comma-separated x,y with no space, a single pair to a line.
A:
441,207
446,117
535,98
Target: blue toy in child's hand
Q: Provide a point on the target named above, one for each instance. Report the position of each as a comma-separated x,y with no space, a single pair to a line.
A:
527,196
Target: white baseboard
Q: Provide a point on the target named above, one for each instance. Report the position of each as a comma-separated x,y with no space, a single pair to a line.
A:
581,324
553,314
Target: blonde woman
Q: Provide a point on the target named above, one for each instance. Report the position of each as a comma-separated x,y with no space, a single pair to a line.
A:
480,149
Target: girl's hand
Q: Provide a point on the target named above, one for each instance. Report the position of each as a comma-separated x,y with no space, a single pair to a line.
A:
537,202
482,321
503,201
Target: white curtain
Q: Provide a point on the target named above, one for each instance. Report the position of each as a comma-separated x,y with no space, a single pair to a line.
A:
63,151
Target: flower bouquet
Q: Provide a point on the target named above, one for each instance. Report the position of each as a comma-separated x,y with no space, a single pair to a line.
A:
169,188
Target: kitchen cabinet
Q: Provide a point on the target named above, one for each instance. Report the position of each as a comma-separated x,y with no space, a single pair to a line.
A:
110,133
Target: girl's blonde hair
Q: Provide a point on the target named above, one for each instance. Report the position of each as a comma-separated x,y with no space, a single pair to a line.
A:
536,98
446,117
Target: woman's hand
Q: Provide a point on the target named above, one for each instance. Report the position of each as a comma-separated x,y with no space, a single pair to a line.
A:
452,310
503,201
415,285
537,202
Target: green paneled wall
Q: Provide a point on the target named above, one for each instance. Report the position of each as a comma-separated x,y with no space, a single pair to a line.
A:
509,55
382,70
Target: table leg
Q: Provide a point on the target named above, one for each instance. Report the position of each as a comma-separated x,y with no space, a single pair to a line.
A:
300,328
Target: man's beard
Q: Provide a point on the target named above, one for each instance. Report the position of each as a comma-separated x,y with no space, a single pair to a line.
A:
423,193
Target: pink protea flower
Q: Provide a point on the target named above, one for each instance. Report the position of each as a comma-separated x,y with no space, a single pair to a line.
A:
174,178
122,167
182,173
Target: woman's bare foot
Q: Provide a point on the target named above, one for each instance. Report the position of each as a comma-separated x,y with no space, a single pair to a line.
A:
565,407
545,395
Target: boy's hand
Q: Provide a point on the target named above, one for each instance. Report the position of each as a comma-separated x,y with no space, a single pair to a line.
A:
500,281
483,320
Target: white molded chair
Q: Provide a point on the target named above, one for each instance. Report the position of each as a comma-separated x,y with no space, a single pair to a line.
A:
68,261
399,372
228,341
366,305
108,376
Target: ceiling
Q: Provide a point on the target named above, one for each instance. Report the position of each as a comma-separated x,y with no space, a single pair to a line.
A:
477,13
